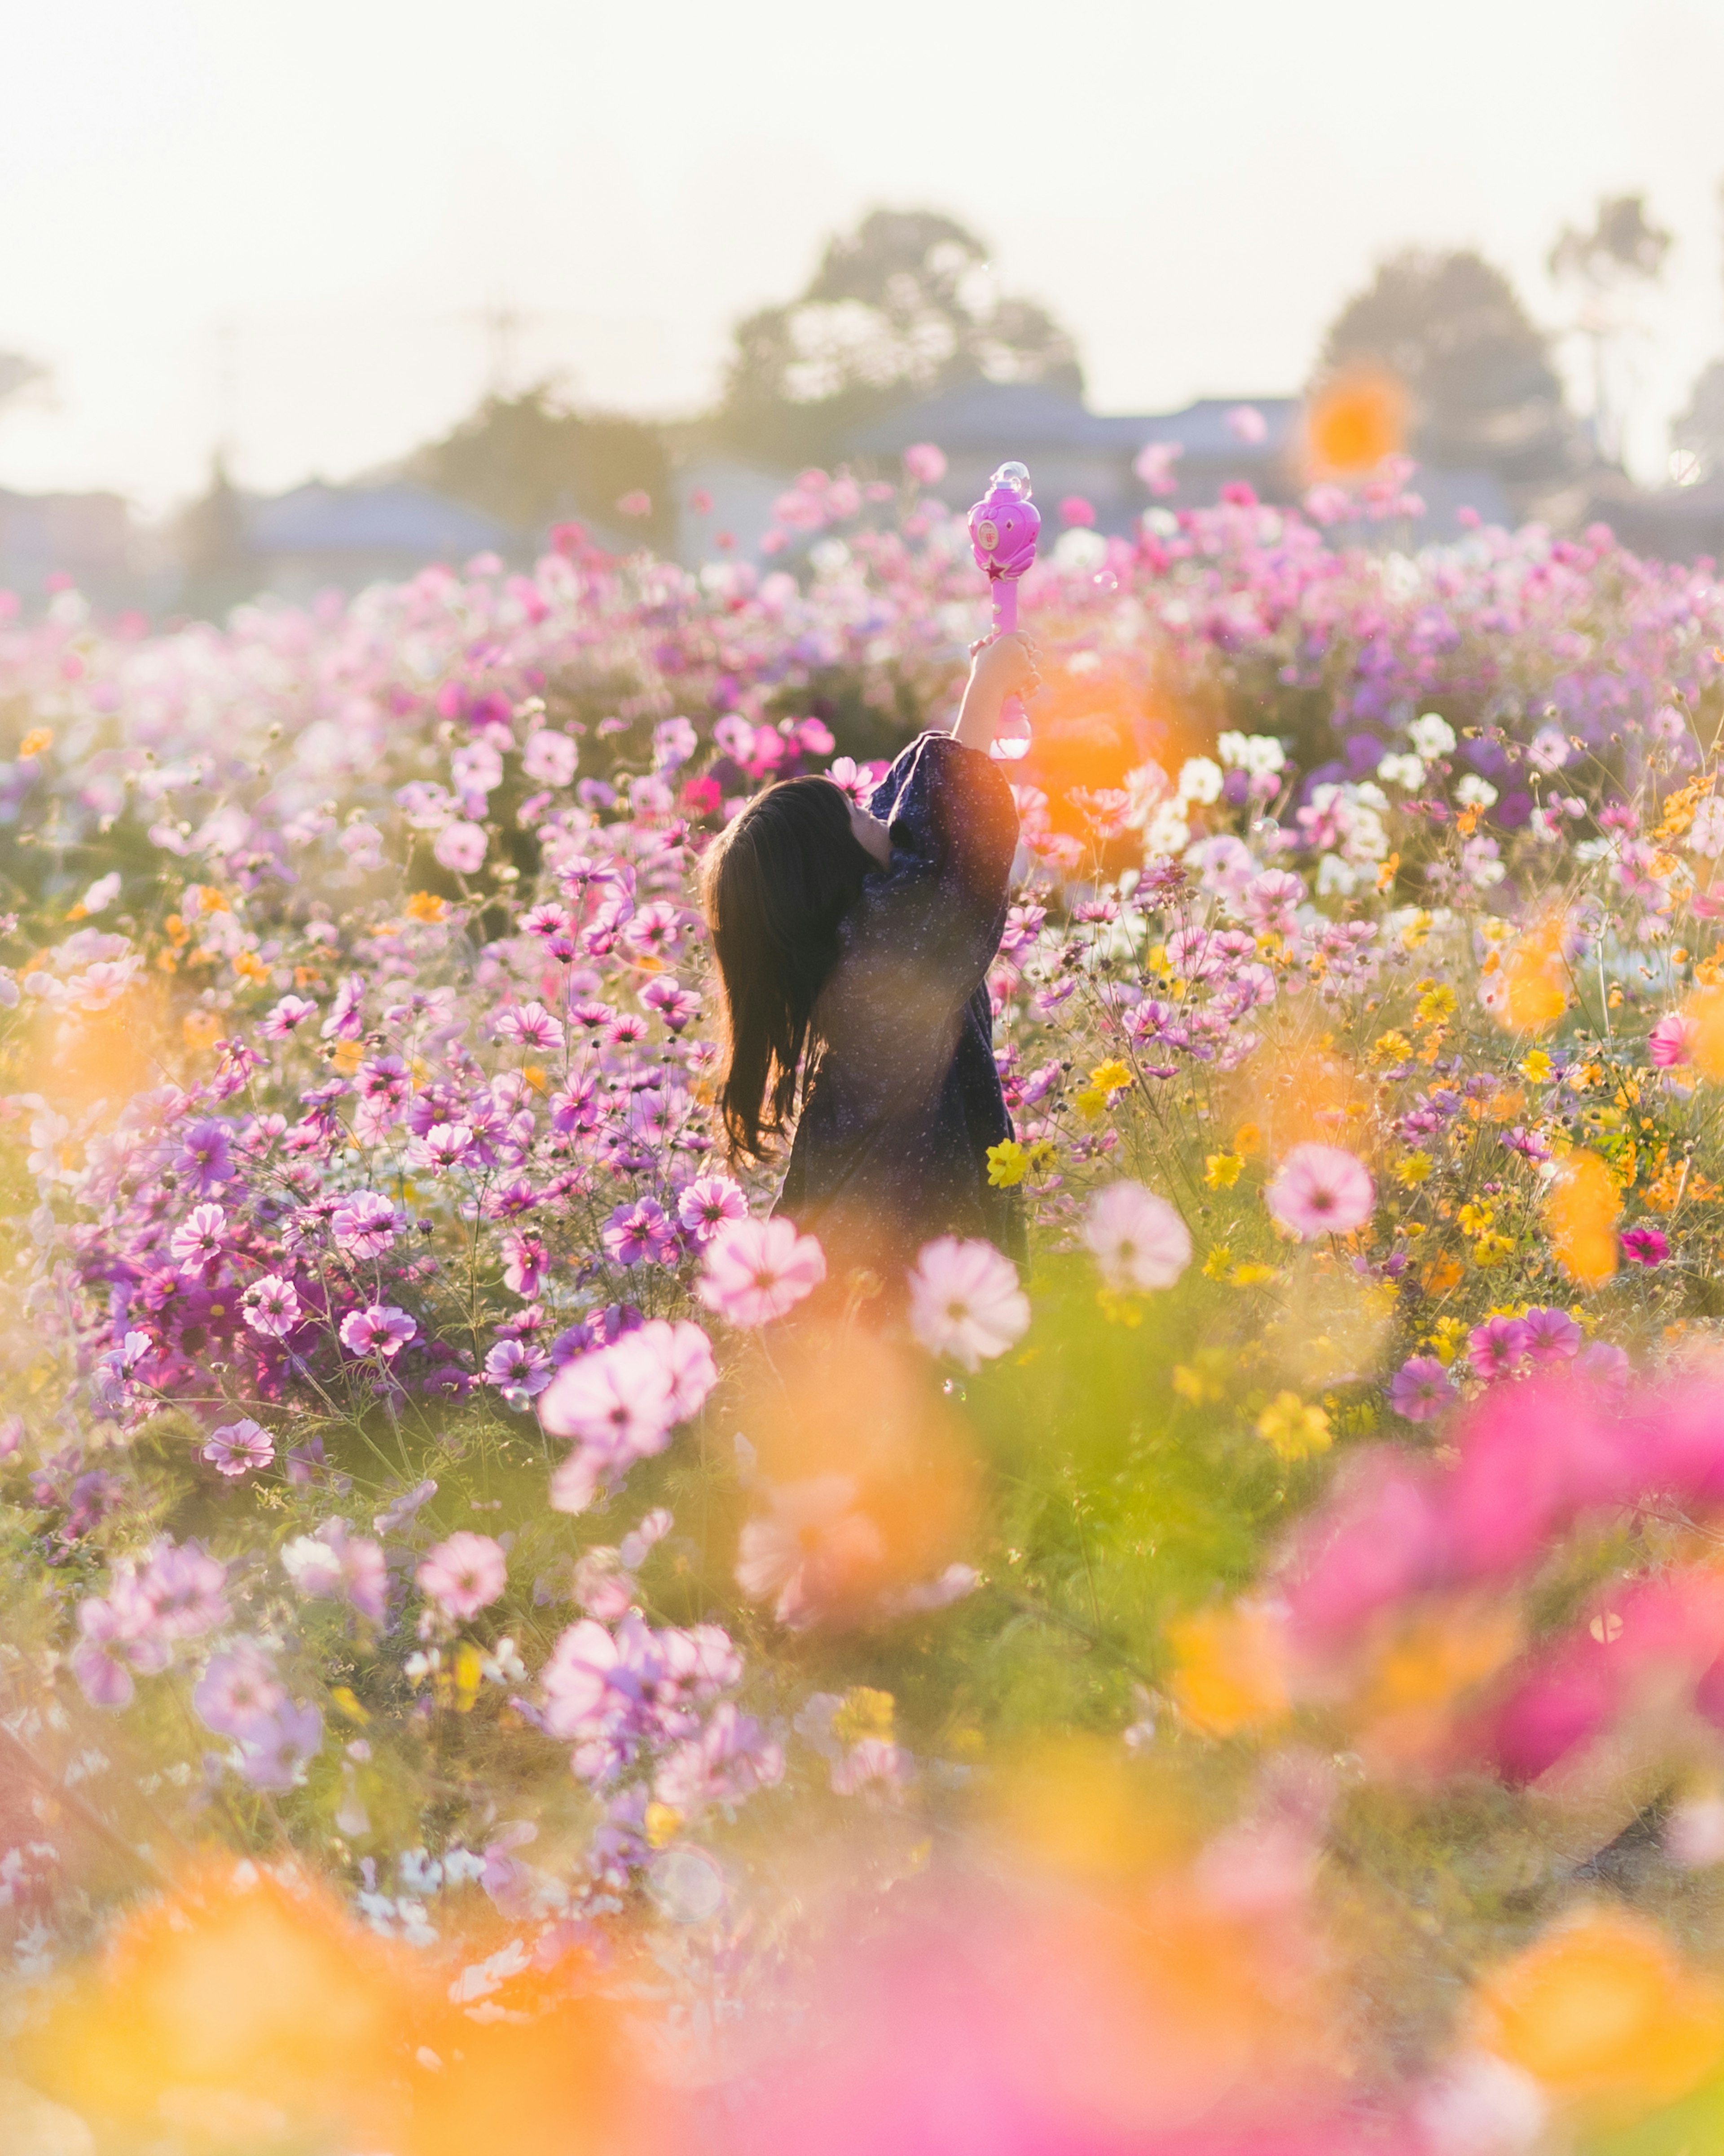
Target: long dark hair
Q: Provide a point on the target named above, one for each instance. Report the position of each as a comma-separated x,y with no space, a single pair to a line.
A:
775,887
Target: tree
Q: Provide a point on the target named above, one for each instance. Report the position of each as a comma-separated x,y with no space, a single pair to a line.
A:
900,309
17,373
1698,434
1452,330
1622,253
531,461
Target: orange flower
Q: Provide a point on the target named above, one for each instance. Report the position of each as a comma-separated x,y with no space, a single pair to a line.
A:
1580,1218
1353,423
1602,2011
1232,1672
1704,1011
1529,992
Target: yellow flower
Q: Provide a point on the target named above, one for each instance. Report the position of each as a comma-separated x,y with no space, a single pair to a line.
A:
1538,1067
865,1713
1112,1076
661,1822
1491,1250
1221,1170
1216,1264
1008,1164
1445,1337
1391,1048
1475,1219
1200,1382
1119,1309
1251,1274
1292,1430
1415,1169
426,906
1436,1002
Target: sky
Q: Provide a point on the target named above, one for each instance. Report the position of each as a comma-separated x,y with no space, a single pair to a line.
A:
291,230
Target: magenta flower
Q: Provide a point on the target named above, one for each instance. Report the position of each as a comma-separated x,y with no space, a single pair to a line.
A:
1495,1348
239,1447
290,1013
271,1305
517,1365
117,1638
706,1204
200,1239
965,1301
756,1270
1139,1241
925,462
1421,1389
1645,1245
380,1329
525,1263
365,1226
1319,1190
465,1574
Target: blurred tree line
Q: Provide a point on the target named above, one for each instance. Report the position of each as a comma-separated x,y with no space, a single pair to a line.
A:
909,305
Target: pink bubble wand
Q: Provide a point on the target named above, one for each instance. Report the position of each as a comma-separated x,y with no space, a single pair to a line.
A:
1004,526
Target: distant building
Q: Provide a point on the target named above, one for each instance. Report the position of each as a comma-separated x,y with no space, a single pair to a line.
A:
87,538
320,537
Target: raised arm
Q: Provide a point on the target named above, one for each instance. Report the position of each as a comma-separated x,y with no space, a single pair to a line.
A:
1000,666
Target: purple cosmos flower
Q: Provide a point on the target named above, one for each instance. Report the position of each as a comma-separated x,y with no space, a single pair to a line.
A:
204,1163
1421,1389
530,1025
184,1588
278,1747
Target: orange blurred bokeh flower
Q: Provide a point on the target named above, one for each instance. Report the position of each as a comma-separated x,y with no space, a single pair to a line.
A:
1353,422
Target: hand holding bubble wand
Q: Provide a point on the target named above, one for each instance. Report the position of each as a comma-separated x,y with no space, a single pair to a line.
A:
1004,526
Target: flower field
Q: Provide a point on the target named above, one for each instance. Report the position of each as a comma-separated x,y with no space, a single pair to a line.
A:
482,1656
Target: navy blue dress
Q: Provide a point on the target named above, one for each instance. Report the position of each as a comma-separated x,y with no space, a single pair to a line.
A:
904,1099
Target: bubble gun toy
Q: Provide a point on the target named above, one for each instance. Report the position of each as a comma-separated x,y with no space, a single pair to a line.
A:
1004,526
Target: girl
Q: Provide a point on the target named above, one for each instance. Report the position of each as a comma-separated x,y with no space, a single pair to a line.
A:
853,947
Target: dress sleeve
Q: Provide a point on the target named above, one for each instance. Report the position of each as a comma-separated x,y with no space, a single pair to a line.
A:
953,825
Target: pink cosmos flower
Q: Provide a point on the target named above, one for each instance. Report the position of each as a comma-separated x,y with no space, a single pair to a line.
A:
925,462
271,1307
517,1366
965,1301
334,1563
756,1270
278,1747
461,847
240,1691
1494,1348
619,1396
530,1025
642,1231
116,1638
380,1329
1139,1241
526,1262
1645,1245
184,1588
464,1573
292,1011
1421,1389
1552,1335
1668,1041
1319,1190
238,1447
588,1683
444,1146
707,1203
685,1354
809,1551
200,1238
365,1226
730,1758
